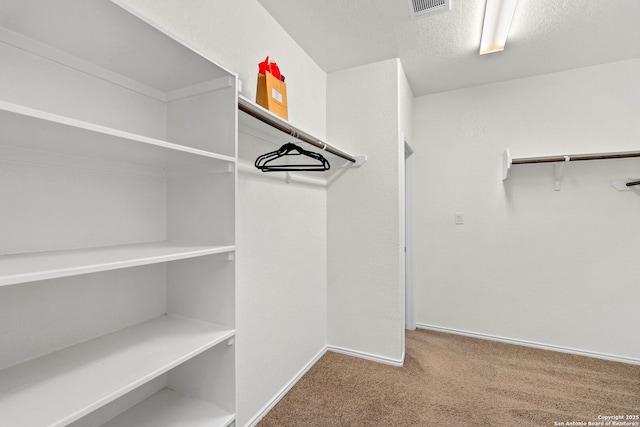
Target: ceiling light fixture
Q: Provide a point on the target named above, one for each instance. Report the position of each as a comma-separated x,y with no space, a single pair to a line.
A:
497,21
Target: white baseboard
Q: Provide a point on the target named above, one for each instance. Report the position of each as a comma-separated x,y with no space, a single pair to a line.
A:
367,356
265,410
269,406
533,344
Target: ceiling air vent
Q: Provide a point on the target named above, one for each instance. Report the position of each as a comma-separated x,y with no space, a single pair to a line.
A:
429,7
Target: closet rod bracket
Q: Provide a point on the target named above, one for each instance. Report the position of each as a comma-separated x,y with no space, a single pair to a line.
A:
558,169
361,159
630,184
506,164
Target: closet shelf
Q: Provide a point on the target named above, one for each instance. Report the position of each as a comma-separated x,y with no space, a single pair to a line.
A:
28,128
21,268
254,112
168,408
63,386
560,161
109,43
508,161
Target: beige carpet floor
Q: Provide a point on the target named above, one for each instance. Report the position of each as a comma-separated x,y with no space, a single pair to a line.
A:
450,380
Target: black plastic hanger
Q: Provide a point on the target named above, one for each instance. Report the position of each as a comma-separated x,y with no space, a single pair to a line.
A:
290,149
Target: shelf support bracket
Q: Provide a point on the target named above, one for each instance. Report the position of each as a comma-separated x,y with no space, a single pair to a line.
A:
558,169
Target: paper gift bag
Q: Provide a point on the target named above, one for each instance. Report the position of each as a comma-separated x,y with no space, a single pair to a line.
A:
271,94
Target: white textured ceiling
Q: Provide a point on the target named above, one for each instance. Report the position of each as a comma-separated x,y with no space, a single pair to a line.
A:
440,52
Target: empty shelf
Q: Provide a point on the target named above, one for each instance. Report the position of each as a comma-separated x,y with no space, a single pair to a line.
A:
168,408
49,265
61,387
27,128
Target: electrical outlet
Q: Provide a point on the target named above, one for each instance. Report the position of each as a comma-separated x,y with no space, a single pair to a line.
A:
458,218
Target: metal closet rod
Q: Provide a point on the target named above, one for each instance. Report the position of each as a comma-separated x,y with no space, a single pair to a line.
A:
574,158
296,134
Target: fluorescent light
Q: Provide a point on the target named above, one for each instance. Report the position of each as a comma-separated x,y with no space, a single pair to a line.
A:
497,21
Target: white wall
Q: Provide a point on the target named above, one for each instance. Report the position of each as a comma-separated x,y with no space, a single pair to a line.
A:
282,297
281,228
363,213
530,263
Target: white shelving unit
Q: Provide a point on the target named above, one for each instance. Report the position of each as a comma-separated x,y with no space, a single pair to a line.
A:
118,154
